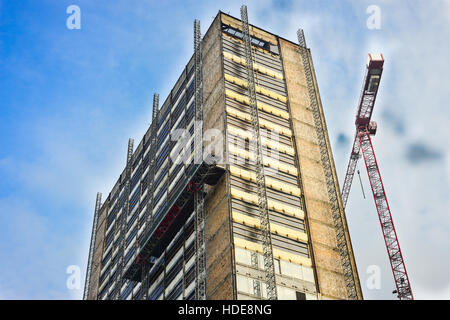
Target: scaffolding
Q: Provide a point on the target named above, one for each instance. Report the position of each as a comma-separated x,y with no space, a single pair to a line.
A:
269,269
143,253
333,193
188,197
98,204
151,186
124,215
152,164
199,199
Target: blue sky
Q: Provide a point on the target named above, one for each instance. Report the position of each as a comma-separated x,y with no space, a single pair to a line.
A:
70,99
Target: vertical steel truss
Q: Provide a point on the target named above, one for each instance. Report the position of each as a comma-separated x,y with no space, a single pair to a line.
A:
199,200
200,243
152,164
256,283
384,213
98,203
122,222
269,269
326,162
155,106
355,155
151,189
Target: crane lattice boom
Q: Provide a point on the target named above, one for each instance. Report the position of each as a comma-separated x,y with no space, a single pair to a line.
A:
363,144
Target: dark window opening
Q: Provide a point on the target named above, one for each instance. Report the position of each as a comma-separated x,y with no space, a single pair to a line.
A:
255,41
300,295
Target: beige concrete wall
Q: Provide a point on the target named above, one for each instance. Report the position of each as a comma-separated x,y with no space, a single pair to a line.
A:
218,248
98,252
219,281
321,227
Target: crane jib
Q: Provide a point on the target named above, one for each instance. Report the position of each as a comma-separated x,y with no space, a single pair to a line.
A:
363,145
369,90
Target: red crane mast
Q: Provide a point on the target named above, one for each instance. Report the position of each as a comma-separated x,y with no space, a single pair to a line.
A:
362,142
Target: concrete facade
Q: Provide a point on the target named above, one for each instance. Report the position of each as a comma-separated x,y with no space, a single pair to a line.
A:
305,250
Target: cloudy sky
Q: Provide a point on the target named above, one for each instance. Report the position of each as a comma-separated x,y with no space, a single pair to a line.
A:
70,99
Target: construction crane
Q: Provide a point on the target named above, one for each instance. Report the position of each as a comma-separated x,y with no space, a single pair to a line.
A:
362,142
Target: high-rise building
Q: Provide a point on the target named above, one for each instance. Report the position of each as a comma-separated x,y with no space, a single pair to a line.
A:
253,213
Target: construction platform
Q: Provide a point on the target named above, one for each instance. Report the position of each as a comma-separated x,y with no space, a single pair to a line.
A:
178,209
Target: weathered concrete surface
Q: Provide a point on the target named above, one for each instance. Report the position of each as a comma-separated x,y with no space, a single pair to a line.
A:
219,284
321,227
98,252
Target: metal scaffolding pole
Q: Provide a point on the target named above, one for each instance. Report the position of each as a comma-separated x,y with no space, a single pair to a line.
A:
199,200
122,223
98,203
326,163
152,164
269,269
151,188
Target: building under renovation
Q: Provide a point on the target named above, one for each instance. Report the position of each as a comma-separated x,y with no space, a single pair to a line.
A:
252,211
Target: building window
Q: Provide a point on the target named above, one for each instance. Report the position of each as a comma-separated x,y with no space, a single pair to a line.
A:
156,293
190,275
243,284
126,292
176,291
250,286
286,293
308,274
242,256
276,264
300,295
291,270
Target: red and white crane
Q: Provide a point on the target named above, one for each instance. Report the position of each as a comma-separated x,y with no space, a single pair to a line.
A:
364,129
